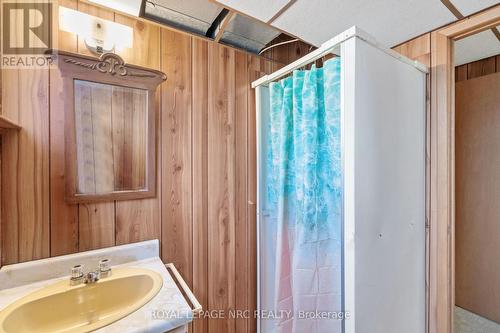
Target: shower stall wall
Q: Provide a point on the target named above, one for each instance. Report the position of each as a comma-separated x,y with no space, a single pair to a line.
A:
382,247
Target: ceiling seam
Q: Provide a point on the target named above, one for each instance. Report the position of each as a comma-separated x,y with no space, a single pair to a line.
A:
451,7
496,32
281,11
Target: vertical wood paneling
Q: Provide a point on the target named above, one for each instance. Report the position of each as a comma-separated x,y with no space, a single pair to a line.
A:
203,212
33,166
176,152
481,67
221,184
25,167
0,181
461,73
286,53
96,226
477,194
138,220
200,177
10,146
146,43
417,49
477,68
63,217
241,223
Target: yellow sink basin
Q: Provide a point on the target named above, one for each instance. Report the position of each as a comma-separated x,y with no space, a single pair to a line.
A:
82,308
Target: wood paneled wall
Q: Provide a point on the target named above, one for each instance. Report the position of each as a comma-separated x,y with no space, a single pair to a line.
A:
289,52
477,110
417,49
477,68
204,212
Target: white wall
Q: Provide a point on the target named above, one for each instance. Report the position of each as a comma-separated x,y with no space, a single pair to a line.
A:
384,191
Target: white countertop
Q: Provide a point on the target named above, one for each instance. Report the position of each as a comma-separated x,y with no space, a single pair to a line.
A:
166,311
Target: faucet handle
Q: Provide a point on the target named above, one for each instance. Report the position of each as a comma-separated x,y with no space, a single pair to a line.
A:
77,272
104,267
76,275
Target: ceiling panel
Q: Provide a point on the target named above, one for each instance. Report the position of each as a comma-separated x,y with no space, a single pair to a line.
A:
248,33
468,7
391,21
263,10
193,15
479,46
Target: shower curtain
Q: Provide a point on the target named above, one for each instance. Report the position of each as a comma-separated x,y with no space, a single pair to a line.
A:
304,194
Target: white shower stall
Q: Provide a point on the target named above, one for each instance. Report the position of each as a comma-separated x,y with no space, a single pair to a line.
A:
382,258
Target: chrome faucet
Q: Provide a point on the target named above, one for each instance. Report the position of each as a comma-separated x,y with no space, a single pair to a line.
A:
91,277
78,277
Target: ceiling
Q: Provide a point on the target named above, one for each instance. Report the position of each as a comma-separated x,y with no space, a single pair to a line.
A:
390,21
479,46
254,24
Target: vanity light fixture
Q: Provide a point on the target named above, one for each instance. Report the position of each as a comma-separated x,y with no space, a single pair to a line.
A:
99,35
132,7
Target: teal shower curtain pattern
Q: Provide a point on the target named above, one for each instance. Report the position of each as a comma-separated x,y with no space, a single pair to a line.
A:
304,190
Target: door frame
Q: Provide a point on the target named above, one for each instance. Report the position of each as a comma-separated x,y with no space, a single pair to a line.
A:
441,164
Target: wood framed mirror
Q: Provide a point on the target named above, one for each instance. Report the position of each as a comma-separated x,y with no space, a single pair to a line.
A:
110,128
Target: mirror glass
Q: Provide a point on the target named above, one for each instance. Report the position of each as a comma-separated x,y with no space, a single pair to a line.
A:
111,137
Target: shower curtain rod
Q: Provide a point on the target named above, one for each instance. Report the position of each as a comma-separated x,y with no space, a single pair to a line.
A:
328,47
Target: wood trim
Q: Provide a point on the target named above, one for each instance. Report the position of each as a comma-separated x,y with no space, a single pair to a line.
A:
200,177
473,24
110,65
7,124
223,25
441,182
442,168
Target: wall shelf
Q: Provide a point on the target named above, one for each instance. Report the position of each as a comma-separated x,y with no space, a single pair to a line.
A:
7,124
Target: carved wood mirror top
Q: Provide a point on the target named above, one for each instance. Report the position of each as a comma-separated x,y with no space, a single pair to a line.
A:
110,129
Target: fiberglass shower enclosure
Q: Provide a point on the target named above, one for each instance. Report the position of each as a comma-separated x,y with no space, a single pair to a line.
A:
378,248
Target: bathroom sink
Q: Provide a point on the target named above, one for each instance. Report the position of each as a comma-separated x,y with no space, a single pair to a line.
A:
82,308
